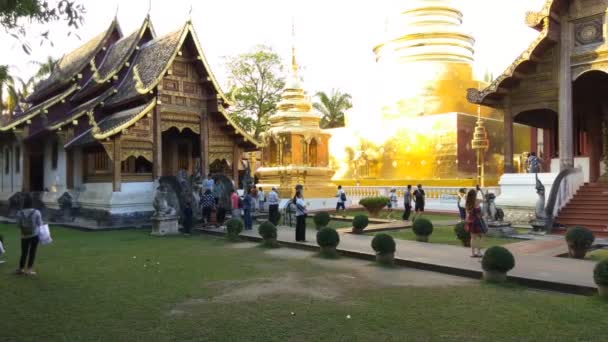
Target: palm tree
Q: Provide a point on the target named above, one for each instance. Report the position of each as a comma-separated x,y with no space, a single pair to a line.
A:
332,108
6,86
45,68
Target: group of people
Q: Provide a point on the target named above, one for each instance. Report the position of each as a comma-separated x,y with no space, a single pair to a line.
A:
255,199
417,197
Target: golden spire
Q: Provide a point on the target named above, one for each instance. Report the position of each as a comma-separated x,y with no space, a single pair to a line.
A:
294,63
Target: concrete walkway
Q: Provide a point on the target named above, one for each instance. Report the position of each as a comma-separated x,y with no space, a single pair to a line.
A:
546,272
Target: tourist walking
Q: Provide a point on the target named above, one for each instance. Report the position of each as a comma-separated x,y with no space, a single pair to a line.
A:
187,218
209,183
533,163
392,202
29,221
419,198
207,203
235,204
407,202
273,206
341,195
473,223
462,197
247,210
261,198
298,201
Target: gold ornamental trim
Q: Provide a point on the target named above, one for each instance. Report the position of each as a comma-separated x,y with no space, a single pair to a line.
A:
82,112
146,154
168,124
99,136
534,19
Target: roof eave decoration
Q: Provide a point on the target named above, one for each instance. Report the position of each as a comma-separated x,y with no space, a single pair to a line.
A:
97,134
239,130
113,26
88,110
40,108
535,19
477,96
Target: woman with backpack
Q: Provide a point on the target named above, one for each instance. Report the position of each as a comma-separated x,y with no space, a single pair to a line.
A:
29,221
473,223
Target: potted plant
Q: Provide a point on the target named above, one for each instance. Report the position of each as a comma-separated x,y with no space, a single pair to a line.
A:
384,246
328,239
579,240
374,204
268,232
321,219
600,275
234,228
496,262
423,228
360,222
462,234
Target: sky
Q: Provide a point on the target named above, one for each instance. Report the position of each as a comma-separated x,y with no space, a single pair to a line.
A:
334,38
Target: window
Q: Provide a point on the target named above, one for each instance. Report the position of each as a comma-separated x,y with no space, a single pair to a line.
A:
7,161
137,165
54,155
17,159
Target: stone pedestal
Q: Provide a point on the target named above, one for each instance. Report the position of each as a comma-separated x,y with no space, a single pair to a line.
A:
165,225
500,229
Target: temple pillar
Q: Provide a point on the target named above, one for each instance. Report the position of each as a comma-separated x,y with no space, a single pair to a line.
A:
508,132
69,168
236,159
157,162
566,120
595,144
25,170
204,140
116,167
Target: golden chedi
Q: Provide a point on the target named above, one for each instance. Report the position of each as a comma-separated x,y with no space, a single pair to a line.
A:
423,130
295,147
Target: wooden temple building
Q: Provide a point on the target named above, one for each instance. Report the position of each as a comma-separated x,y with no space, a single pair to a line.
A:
116,115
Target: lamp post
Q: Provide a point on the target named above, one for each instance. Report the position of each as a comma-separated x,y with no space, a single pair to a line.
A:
480,144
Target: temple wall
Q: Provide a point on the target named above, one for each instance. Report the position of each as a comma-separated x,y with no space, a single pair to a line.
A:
584,8
11,181
54,178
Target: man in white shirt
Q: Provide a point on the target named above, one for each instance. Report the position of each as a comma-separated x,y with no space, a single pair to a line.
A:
273,206
209,183
341,199
261,198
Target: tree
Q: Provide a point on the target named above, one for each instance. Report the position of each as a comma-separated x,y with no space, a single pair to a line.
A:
45,68
16,16
255,84
332,107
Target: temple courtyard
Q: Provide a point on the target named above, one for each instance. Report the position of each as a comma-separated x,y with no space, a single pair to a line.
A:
126,285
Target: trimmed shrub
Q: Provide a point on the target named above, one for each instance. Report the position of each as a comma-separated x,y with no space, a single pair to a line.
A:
462,234
234,228
328,239
600,273
580,238
267,230
360,222
321,219
374,204
423,228
498,259
384,244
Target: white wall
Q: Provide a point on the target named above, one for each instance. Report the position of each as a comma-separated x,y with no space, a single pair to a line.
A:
54,179
11,182
78,172
579,162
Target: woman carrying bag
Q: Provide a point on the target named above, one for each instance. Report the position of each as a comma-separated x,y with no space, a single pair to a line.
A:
29,221
474,223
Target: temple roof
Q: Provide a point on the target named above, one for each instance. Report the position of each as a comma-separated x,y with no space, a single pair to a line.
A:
547,38
116,58
37,109
71,64
82,110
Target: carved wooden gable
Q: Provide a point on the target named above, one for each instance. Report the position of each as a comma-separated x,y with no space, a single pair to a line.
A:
221,142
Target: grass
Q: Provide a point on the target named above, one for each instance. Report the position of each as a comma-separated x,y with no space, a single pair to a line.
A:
598,254
335,224
123,286
397,214
445,235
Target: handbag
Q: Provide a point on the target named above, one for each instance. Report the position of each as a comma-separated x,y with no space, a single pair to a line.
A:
484,225
44,235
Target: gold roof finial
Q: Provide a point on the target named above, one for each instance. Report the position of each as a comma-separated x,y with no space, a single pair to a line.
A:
294,63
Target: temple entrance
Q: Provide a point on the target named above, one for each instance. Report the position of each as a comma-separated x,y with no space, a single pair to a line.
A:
181,151
36,167
590,115
544,138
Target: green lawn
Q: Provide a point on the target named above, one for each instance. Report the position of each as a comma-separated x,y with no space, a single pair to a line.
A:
128,286
598,254
445,235
397,214
335,224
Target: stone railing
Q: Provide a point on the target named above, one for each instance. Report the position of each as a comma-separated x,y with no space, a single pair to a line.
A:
567,183
355,193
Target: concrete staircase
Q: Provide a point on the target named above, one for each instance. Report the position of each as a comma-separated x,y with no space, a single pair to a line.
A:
588,208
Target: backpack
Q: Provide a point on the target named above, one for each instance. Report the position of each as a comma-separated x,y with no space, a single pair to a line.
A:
343,196
26,223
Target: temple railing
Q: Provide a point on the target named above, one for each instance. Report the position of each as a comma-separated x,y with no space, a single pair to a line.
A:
355,193
565,186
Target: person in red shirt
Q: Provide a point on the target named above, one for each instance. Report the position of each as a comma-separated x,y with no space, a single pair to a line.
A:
473,222
234,201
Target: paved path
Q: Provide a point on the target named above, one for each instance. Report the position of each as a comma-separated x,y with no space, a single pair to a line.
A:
547,272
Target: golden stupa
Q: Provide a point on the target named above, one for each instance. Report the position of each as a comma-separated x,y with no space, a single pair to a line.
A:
295,148
424,129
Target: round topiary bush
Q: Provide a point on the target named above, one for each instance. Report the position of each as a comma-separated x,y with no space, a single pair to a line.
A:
268,232
579,240
360,222
328,239
321,219
423,228
462,234
384,246
374,204
234,228
496,262
600,275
